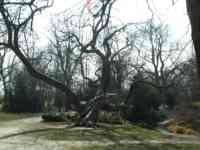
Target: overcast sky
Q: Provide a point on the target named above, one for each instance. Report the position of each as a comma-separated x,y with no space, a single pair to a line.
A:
126,11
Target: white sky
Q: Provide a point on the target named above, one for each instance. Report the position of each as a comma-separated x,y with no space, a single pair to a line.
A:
126,11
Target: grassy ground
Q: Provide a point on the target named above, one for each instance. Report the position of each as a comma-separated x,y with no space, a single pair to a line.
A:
85,138
105,133
113,134
143,147
12,116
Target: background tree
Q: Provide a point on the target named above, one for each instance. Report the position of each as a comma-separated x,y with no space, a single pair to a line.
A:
158,57
66,60
13,27
194,16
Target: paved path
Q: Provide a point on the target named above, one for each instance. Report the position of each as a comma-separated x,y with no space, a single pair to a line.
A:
15,127
12,137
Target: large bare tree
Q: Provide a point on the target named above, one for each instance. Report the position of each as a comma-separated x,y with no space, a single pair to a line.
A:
16,18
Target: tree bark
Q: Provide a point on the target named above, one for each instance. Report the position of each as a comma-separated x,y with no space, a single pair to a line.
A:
106,73
193,8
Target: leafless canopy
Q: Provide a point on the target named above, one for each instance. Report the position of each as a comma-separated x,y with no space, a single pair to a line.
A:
16,17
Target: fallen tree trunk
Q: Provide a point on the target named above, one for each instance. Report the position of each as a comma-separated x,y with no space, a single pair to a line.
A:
89,116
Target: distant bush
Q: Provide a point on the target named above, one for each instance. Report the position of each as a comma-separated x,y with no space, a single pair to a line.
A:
162,115
143,104
53,117
70,116
24,97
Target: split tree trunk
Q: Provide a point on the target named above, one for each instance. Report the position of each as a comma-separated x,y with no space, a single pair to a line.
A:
89,116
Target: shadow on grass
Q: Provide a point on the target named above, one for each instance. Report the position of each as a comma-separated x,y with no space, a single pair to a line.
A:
103,133
27,132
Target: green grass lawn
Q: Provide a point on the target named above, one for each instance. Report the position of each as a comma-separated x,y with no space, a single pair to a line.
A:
142,147
114,134
106,133
12,116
